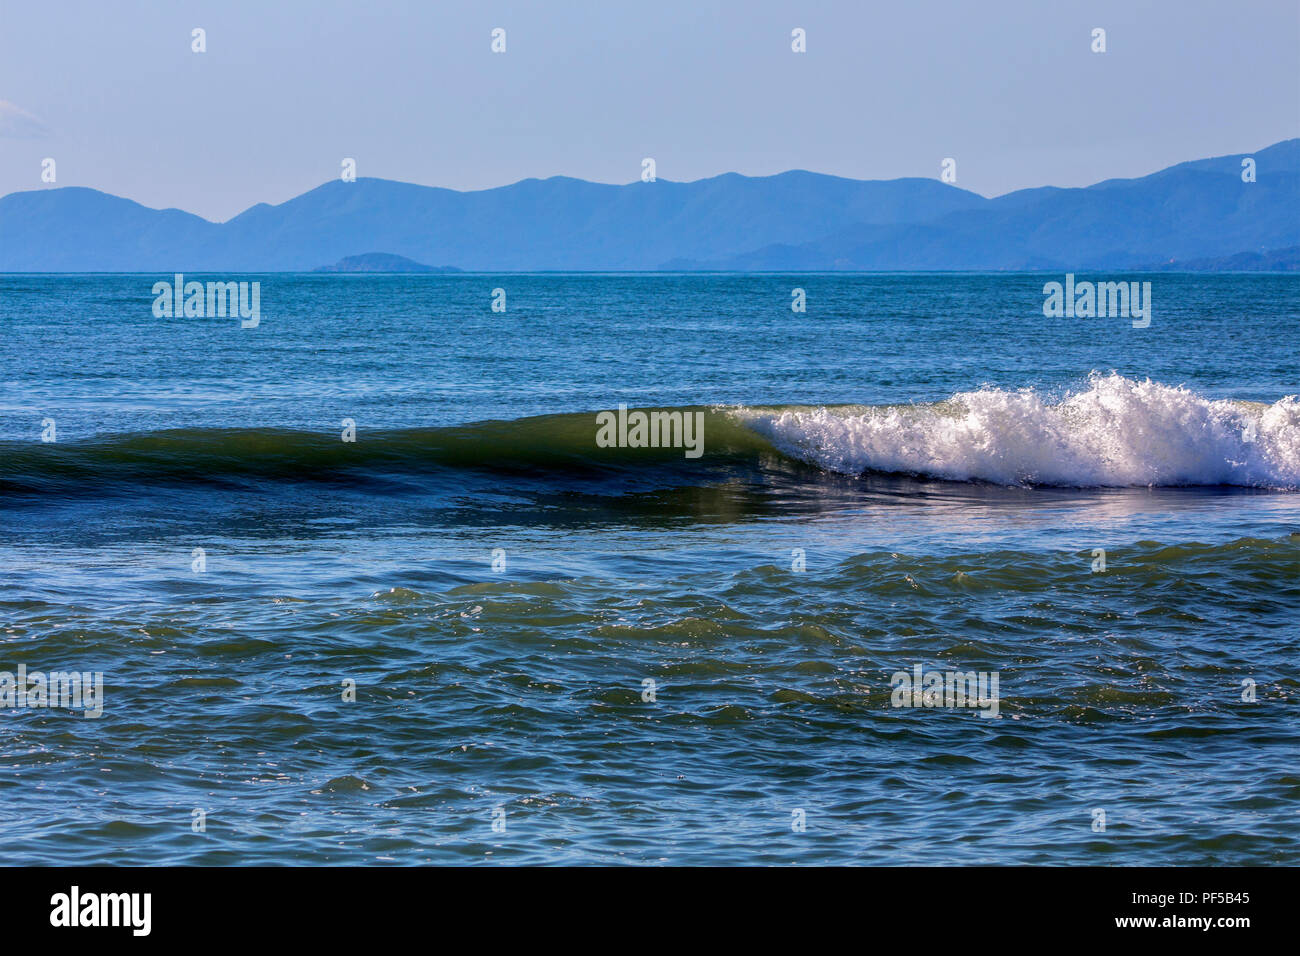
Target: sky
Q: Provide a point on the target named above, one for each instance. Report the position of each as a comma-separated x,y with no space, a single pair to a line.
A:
1013,91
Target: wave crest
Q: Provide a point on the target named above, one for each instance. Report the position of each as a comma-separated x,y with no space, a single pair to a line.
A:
1118,432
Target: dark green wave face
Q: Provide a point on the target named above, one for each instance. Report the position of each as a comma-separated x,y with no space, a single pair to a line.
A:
554,447
366,651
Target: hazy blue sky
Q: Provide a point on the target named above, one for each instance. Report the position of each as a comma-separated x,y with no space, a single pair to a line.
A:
286,90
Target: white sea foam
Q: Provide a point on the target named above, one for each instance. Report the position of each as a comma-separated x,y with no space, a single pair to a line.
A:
1117,432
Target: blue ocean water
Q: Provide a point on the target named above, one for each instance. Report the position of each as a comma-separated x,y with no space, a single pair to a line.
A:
568,653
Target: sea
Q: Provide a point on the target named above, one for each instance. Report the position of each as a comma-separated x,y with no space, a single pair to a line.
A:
666,569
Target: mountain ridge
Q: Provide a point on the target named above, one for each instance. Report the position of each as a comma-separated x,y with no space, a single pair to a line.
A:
795,220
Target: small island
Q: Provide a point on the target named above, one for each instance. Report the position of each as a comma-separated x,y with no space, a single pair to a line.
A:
382,262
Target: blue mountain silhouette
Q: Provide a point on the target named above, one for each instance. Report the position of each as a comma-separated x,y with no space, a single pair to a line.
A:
796,220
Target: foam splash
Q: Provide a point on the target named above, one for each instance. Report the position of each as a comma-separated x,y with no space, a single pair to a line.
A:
1118,432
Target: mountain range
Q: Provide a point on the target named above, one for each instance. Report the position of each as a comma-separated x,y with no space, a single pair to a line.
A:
1194,214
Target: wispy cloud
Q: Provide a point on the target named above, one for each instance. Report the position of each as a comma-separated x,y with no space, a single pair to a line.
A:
17,123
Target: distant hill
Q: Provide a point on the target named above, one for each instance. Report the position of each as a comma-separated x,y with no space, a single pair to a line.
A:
382,262
795,221
1274,260
1197,210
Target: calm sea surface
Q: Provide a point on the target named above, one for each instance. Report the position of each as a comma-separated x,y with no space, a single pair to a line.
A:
568,653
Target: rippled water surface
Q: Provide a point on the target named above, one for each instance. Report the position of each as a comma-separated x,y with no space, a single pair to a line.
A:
629,655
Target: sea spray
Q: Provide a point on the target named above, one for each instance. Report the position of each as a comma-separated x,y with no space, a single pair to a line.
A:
1116,432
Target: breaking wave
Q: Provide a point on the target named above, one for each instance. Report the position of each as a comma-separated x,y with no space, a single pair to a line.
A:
1117,432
